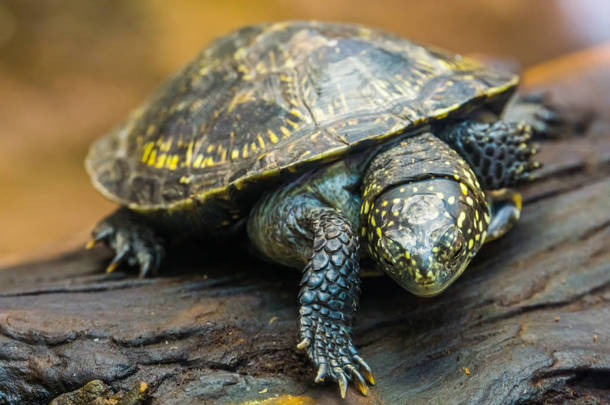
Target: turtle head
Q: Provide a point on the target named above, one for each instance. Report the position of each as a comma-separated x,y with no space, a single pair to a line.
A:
424,234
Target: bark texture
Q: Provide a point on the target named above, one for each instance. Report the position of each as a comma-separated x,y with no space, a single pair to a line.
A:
528,323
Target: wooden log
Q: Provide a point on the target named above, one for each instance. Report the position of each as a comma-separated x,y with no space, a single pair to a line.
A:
528,323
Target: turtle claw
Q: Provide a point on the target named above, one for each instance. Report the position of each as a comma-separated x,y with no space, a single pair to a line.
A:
341,380
131,241
90,244
331,349
365,369
304,344
321,373
360,383
121,254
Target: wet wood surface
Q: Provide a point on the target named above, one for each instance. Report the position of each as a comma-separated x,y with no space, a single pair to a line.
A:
528,323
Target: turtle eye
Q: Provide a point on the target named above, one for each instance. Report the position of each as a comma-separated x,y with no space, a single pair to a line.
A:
389,251
457,247
451,244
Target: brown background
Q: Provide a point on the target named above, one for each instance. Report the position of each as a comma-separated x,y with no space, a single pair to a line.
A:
70,70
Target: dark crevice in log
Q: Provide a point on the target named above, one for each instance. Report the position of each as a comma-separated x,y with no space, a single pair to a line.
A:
99,287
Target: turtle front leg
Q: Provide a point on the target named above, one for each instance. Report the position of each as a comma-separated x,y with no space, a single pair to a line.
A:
132,240
330,289
498,152
298,227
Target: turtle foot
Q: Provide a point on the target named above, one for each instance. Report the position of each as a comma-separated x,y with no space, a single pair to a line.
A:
331,350
500,153
132,242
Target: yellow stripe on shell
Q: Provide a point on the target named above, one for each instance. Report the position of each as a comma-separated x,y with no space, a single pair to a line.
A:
161,160
272,136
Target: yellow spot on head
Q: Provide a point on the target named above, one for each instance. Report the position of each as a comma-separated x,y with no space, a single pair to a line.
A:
464,188
379,232
461,218
470,244
366,207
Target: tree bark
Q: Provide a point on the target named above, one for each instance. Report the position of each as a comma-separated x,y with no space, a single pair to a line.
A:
528,323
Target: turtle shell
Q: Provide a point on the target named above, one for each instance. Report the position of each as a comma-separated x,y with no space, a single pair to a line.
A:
275,99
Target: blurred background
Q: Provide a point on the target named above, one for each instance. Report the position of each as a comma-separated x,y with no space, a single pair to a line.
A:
70,70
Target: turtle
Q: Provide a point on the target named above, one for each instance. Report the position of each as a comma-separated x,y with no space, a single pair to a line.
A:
324,143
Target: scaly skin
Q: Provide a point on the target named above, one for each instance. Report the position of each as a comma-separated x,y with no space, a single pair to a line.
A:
330,290
498,152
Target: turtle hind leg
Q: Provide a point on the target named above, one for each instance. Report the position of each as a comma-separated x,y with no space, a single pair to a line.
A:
498,152
131,239
537,110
